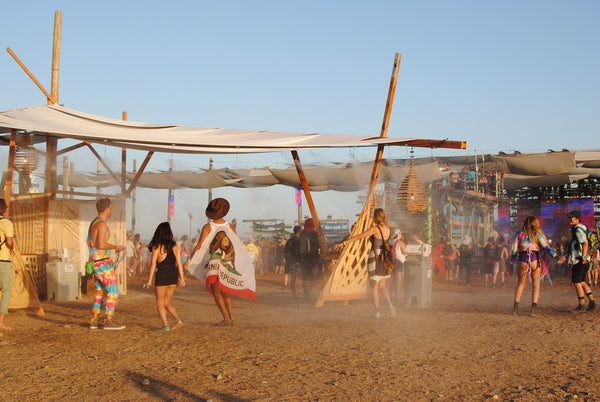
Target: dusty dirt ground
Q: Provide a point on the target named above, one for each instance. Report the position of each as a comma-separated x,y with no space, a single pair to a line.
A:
466,346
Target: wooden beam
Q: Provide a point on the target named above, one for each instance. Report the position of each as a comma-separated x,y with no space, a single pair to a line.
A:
71,148
311,204
384,130
139,173
89,145
50,99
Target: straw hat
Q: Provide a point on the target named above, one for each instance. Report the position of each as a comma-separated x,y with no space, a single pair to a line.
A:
217,208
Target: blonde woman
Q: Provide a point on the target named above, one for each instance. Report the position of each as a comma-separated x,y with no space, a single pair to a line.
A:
526,251
377,233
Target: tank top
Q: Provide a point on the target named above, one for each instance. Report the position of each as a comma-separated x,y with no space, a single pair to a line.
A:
94,256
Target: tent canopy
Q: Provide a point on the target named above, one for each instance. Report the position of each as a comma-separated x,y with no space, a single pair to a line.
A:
68,123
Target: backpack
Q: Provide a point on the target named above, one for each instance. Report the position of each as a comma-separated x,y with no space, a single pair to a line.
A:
309,244
384,261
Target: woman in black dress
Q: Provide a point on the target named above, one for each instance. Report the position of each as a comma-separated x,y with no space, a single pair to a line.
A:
167,271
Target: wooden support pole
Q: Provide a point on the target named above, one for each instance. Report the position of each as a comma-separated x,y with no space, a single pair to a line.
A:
139,173
56,57
10,170
384,130
103,162
71,148
311,205
133,201
124,164
65,170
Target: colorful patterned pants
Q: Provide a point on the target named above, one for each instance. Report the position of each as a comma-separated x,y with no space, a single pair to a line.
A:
107,288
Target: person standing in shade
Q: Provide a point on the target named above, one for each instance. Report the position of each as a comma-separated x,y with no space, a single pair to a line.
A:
580,259
6,272
167,271
377,235
105,278
526,250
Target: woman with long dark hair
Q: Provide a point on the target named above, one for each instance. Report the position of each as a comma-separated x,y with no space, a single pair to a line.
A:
167,271
526,251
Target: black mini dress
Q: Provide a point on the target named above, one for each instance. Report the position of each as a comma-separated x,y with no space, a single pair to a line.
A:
166,271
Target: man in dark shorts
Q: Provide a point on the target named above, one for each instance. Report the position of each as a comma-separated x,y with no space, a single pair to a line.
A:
580,260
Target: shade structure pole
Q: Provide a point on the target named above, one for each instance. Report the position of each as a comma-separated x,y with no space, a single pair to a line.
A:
384,129
349,279
10,170
311,204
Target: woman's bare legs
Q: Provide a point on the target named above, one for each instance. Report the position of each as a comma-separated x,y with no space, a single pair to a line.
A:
223,302
163,303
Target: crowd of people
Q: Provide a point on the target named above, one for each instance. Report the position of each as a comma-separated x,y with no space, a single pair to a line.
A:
228,265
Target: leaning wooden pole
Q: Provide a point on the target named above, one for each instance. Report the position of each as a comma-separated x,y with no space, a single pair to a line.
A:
311,204
349,279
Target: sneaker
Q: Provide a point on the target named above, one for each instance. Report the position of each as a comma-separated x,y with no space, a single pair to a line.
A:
178,324
580,307
377,315
591,305
163,329
94,323
111,326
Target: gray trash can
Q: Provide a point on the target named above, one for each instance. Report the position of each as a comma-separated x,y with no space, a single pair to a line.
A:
418,276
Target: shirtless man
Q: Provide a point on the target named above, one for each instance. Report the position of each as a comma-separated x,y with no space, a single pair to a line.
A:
105,277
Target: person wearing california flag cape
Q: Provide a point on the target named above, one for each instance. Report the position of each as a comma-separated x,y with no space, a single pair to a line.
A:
221,259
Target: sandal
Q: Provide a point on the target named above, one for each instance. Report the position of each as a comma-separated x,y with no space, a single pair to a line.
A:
162,329
178,324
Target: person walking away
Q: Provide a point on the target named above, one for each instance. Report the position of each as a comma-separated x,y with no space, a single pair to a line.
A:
580,259
221,259
526,250
105,278
310,251
167,271
292,259
399,248
488,261
466,258
377,234
7,234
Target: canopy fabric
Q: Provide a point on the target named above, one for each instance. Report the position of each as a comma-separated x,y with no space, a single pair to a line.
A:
516,181
68,123
550,163
341,177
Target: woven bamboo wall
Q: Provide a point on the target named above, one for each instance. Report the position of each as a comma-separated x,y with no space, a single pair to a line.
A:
42,224
29,217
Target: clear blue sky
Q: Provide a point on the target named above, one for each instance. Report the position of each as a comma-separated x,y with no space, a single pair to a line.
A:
503,75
